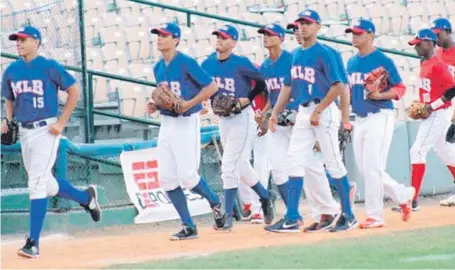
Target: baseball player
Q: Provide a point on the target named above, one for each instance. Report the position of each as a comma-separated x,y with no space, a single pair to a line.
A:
233,75
374,125
316,82
323,221
252,205
435,79
178,155
30,86
446,52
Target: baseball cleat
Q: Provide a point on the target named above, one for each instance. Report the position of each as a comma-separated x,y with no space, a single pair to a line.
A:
268,207
218,215
325,223
187,233
344,223
414,205
30,249
228,224
311,228
93,206
257,219
449,201
247,213
284,226
371,223
406,211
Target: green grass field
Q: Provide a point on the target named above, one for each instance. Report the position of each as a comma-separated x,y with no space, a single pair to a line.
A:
430,248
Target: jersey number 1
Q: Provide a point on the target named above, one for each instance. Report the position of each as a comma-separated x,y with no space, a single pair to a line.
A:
38,102
310,89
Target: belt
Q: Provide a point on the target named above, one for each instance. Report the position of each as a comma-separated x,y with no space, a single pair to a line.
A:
371,113
312,102
36,124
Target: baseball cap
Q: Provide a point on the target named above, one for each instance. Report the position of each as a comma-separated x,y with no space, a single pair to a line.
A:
292,26
441,24
168,29
309,15
227,31
28,31
273,29
424,34
361,26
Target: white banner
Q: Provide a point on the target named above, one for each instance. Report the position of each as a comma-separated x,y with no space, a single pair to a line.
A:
140,171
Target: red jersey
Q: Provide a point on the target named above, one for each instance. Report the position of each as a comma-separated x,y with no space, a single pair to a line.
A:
447,56
435,79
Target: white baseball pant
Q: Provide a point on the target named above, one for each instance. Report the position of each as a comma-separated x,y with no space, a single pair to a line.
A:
179,151
261,166
303,161
39,151
431,134
237,133
372,136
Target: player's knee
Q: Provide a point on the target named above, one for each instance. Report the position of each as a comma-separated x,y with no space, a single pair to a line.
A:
191,181
36,190
279,176
417,155
336,170
169,183
52,187
230,182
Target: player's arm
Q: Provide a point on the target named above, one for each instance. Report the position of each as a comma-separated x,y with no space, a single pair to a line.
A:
7,93
252,72
71,103
397,89
445,78
198,74
283,99
345,102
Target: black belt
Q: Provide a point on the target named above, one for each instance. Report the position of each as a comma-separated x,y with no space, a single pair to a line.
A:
314,101
33,125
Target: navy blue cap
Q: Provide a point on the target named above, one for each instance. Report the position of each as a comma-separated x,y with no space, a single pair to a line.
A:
169,29
227,31
309,15
424,34
28,31
273,29
441,24
361,26
292,26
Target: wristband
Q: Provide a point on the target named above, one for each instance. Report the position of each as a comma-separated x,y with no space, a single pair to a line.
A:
436,104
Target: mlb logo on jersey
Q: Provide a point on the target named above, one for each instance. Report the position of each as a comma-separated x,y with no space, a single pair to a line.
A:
274,84
303,73
227,84
35,86
357,78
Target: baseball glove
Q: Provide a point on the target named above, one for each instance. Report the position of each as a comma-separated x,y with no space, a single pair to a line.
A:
165,99
225,105
287,118
12,135
376,81
417,110
450,136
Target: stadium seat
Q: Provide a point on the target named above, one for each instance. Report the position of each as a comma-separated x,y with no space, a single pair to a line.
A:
436,10
378,13
399,18
418,17
137,43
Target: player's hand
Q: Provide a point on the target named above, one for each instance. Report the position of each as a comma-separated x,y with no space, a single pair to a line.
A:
4,126
244,102
315,117
375,96
186,105
272,122
259,118
151,107
347,126
56,129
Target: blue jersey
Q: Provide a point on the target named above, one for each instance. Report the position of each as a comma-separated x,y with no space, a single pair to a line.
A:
233,75
33,87
314,70
274,73
184,77
358,69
